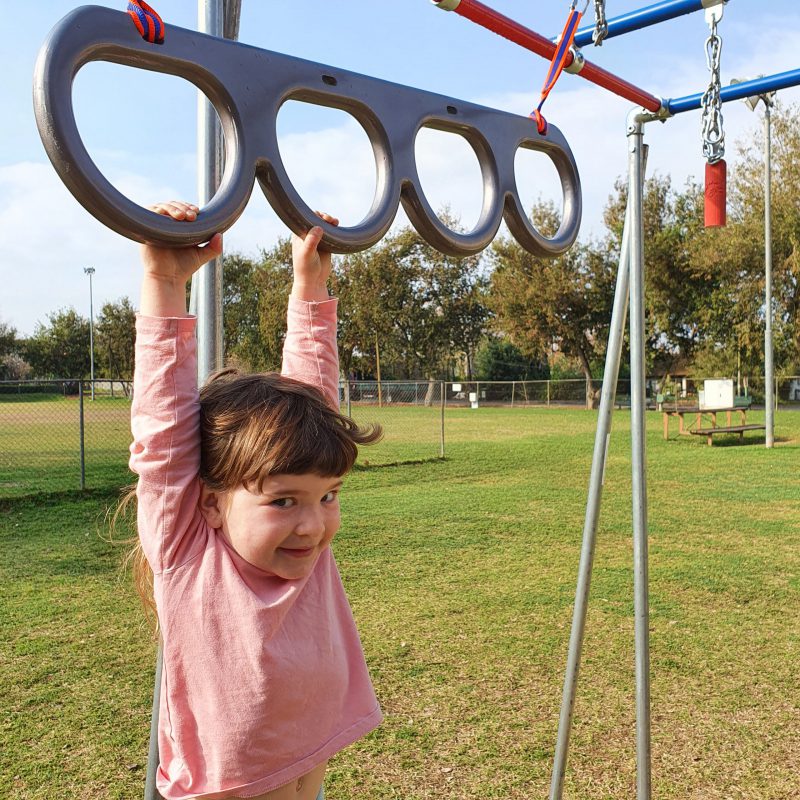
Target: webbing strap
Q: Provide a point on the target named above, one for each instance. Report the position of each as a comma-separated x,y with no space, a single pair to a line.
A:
557,64
147,21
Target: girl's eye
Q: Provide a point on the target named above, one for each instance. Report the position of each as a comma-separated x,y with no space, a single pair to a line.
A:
330,497
282,502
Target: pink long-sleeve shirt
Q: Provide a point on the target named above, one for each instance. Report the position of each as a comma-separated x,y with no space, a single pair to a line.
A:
264,678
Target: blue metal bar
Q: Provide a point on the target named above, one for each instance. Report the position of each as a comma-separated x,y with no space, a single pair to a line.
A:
642,18
738,91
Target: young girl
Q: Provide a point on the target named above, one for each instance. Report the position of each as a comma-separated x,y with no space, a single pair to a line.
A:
264,678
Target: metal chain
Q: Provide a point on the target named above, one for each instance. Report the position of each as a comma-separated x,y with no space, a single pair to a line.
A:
600,22
713,133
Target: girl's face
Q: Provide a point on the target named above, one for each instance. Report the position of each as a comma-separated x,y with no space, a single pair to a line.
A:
283,528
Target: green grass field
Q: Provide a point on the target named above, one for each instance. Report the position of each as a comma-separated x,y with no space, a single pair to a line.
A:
461,575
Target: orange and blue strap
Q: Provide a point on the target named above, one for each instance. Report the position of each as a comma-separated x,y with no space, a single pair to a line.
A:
558,62
147,21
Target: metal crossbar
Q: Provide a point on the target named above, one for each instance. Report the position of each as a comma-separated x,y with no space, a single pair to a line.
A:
644,17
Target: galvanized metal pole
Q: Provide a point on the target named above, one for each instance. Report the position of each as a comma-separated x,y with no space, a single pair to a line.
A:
596,480
207,285
81,430
150,791
769,367
442,389
638,459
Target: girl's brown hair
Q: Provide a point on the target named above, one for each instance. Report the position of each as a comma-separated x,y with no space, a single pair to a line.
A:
253,426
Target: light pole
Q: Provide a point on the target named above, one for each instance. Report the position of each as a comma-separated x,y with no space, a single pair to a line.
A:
768,98
90,271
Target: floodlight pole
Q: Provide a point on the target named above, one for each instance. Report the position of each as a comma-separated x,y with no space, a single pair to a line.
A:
752,101
769,366
90,271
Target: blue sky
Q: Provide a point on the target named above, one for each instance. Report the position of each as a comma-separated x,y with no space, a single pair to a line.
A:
140,128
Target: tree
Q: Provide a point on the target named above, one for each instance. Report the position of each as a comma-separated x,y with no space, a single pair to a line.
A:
417,310
381,310
8,347
8,339
114,335
254,307
678,287
60,349
732,314
455,293
564,301
498,359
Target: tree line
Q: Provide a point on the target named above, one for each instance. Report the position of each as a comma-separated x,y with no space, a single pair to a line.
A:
407,311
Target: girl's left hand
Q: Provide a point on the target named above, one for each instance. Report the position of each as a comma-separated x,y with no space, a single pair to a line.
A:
311,268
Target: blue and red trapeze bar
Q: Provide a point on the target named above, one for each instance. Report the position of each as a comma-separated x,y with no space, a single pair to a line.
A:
496,22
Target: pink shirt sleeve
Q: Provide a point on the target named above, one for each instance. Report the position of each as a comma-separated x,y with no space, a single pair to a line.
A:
165,453
309,351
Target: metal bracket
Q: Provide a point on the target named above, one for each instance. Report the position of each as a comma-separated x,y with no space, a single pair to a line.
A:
578,62
247,87
714,13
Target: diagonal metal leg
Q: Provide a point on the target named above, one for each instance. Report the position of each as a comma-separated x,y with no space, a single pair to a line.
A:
596,480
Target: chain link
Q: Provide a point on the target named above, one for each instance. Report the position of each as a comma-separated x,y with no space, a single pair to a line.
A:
600,22
713,133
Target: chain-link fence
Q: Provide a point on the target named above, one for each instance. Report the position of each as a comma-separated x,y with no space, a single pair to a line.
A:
568,392
55,437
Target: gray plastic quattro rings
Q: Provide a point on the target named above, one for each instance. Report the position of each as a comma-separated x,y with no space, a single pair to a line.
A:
247,86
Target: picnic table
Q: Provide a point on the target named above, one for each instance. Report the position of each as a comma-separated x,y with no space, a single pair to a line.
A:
696,427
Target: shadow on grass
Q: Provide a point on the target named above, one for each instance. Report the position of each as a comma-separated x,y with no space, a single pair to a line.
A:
365,466
47,499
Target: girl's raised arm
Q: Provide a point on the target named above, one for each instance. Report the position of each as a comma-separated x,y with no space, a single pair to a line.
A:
165,412
310,353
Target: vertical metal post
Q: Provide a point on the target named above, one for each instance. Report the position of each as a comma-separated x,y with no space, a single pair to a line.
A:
207,283
548,394
217,18
90,271
769,367
638,460
81,435
441,435
150,791
597,478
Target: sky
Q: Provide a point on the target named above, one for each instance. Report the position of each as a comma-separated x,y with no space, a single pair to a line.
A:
140,127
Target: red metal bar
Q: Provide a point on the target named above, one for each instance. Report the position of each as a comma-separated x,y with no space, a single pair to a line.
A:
492,20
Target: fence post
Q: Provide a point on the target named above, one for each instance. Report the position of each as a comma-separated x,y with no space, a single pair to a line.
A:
80,426
548,394
441,441
513,386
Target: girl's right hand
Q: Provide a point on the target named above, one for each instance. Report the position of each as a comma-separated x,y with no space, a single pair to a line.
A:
178,264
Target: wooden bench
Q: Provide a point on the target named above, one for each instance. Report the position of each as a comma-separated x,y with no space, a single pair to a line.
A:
740,429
